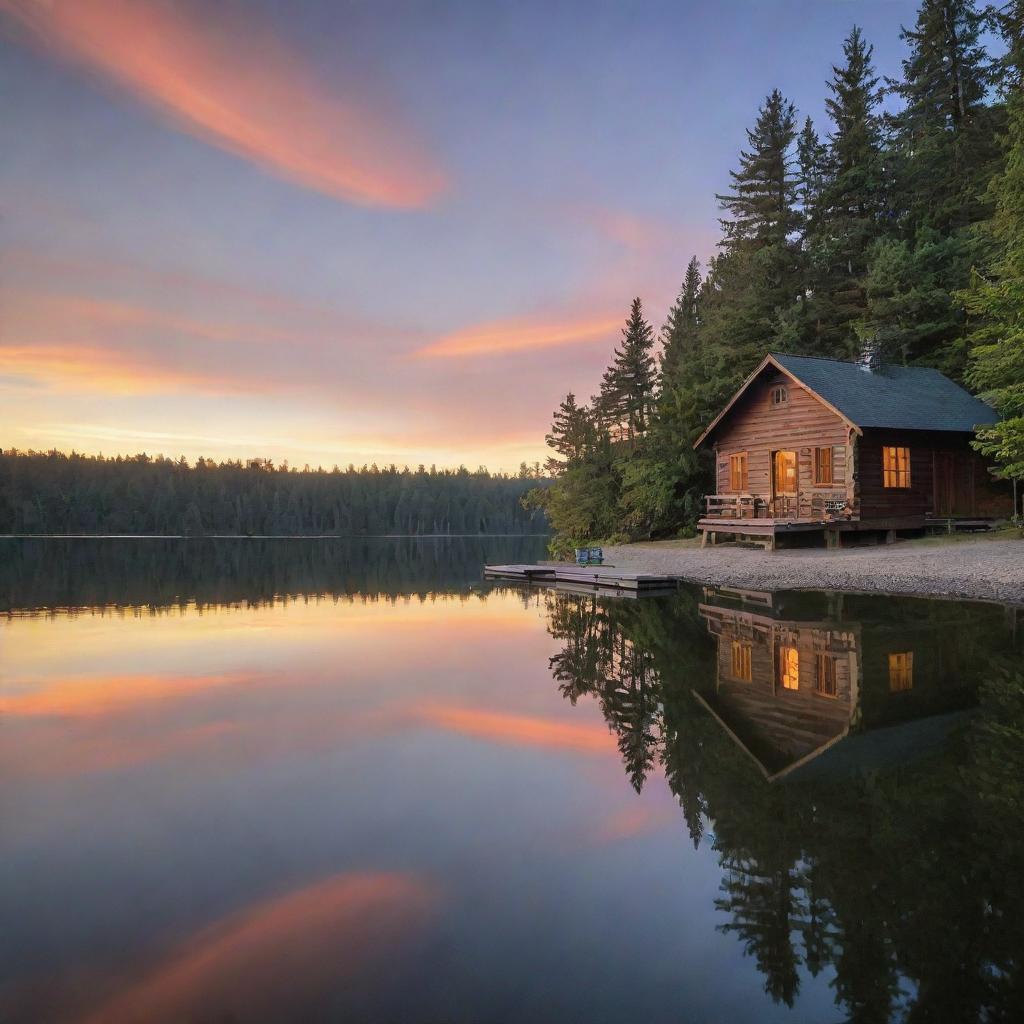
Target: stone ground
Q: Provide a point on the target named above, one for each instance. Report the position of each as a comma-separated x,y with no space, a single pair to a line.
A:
986,568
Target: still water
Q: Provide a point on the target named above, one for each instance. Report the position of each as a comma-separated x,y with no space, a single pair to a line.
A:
346,781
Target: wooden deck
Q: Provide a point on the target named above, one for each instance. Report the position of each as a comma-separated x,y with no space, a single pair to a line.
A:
601,579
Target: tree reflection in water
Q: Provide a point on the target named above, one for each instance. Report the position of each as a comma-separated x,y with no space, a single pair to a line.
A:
889,852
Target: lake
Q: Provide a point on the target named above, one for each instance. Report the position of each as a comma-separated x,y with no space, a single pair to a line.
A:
348,781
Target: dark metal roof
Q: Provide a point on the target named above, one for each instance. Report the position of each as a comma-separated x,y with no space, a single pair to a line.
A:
905,397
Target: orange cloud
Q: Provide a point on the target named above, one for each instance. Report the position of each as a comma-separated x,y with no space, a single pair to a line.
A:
519,730
234,84
257,963
522,333
103,369
99,696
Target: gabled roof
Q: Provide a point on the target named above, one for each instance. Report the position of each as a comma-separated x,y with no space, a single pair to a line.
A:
900,397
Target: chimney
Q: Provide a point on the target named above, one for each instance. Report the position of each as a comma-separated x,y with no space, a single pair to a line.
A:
870,357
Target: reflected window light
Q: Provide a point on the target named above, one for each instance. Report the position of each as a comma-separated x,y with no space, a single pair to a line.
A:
787,668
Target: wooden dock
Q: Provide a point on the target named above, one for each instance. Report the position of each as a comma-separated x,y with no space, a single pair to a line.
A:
586,579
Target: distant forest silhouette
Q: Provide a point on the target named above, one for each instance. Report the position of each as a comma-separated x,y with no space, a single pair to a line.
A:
163,574
56,493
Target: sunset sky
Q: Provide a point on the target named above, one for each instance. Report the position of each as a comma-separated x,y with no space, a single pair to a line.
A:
349,232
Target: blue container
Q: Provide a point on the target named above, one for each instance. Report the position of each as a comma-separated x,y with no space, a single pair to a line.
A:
583,556
596,556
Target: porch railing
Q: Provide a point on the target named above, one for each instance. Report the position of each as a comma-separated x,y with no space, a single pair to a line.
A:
811,507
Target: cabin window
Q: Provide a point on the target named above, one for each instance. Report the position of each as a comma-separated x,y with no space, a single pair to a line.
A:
787,668
780,395
901,672
825,675
738,471
896,467
741,661
823,465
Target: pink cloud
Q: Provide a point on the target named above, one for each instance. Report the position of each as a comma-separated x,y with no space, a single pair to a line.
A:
255,962
517,334
232,82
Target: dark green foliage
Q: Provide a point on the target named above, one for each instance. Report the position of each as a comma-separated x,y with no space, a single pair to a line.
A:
49,492
844,187
679,336
899,880
898,234
995,300
944,137
573,434
627,388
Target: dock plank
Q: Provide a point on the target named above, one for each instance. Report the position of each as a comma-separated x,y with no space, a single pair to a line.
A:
605,578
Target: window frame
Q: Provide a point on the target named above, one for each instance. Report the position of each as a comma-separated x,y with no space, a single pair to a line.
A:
819,478
779,395
829,675
739,459
901,671
742,659
896,467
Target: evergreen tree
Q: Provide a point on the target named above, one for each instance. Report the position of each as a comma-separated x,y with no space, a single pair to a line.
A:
996,302
679,334
843,221
627,388
944,135
572,434
759,273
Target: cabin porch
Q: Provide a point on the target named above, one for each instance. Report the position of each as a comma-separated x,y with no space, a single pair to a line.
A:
762,519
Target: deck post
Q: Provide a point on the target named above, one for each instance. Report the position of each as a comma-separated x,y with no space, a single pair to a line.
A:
890,536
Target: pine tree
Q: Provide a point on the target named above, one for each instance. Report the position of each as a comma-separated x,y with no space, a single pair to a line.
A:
996,302
759,274
628,385
845,220
944,151
945,135
679,334
572,434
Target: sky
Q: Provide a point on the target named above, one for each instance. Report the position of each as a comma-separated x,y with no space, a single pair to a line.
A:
332,232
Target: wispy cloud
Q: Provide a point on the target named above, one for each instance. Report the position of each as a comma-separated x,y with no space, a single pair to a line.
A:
251,964
517,334
519,730
229,80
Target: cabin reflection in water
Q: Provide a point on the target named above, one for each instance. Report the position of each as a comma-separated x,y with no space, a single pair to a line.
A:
798,673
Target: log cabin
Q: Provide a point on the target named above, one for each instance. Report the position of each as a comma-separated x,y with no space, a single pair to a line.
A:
827,447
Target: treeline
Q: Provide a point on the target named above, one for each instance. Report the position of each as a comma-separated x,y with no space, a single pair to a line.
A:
898,229
157,575
56,493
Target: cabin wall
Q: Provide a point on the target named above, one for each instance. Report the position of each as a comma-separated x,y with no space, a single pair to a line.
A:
759,428
791,722
972,489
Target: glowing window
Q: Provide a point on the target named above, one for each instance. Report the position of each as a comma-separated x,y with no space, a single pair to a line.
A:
787,668
825,675
741,661
896,467
901,672
738,471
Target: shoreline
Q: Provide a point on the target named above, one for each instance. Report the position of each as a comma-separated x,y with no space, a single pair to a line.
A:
263,536
978,569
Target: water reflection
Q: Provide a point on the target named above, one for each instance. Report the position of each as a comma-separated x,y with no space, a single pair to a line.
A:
861,763
331,780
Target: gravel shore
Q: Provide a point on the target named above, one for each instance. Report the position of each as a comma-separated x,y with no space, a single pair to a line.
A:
986,569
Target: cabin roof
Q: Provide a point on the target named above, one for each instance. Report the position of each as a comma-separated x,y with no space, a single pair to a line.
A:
899,397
